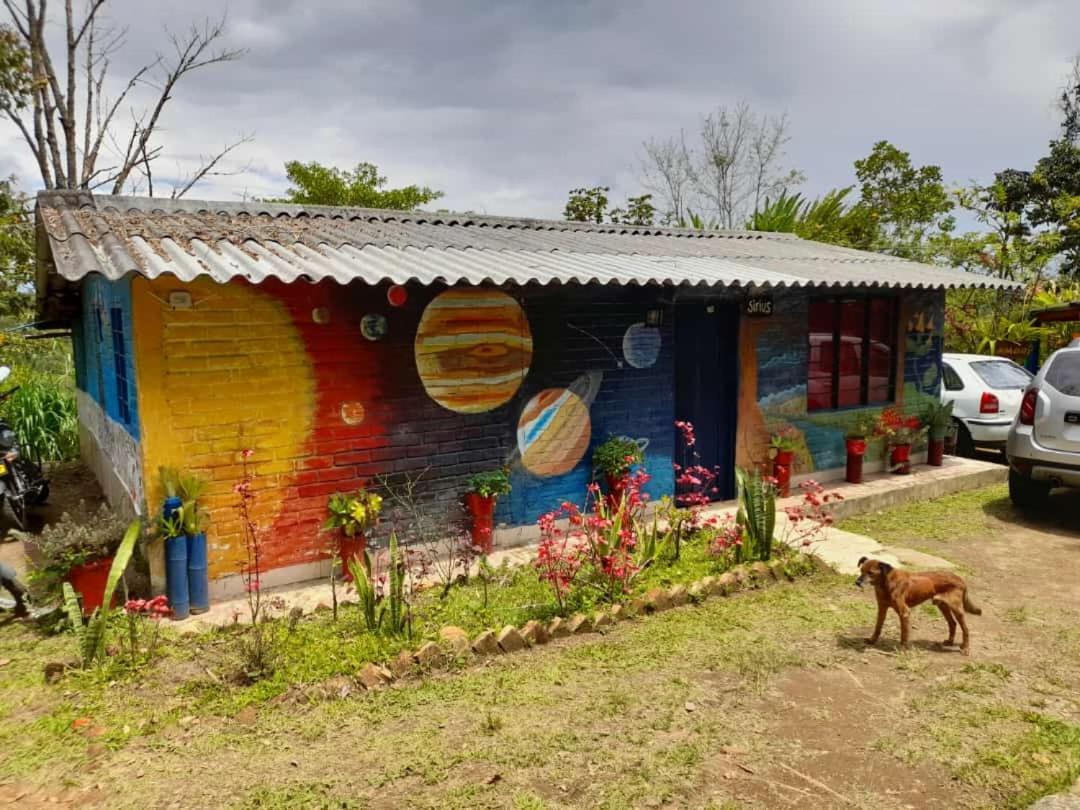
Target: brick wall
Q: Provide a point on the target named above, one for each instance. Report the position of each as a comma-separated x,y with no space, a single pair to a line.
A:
287,371
778,348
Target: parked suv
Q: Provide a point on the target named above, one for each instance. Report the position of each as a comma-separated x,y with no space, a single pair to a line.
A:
987,392
1044,441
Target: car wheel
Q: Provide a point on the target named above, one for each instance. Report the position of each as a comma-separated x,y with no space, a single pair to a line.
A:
964,445
1026,493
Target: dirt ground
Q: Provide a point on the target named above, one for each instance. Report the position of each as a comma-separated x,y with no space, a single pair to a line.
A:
767,699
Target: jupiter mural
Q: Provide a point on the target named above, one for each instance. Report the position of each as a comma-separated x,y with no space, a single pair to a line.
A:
473,349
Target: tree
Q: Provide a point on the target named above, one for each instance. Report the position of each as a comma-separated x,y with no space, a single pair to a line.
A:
827,219
639,211
63,112
911,203
666,171
587,204
16,254
363,187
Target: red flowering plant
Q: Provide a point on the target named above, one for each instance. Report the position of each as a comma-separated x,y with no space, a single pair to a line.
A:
596,550
695,488
809,520
898,428
138,613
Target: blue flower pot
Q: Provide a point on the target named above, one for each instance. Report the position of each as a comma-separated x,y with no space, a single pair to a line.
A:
197,574
176,576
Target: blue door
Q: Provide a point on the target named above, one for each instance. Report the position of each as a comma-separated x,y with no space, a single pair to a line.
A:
707,385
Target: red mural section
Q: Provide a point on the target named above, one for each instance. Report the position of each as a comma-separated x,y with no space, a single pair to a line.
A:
348,431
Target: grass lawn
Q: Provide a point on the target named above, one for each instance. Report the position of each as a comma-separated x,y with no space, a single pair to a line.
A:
737,702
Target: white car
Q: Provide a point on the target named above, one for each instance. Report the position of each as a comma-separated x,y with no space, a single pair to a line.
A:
987,391
1044,442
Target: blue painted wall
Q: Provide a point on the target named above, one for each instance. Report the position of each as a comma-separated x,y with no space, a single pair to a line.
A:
104,350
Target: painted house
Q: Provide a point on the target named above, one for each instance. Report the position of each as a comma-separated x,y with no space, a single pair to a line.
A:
344,344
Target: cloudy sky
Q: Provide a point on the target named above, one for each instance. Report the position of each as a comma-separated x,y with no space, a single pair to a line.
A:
506,104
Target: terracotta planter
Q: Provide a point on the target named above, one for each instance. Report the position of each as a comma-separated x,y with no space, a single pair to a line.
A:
782,463
351,548
900,459
482,511
935,452
856,449
89,580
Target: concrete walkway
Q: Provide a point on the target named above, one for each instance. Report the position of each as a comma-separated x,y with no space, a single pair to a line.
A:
839,549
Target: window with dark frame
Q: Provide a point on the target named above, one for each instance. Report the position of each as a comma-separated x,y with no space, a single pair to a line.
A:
116,323
852,352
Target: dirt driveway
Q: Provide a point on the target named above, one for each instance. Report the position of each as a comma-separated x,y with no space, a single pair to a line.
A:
767,699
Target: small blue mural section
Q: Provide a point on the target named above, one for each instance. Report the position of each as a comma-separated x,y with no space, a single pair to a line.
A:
595,344
104,350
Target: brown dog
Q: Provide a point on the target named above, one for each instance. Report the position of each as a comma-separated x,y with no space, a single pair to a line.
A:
901,591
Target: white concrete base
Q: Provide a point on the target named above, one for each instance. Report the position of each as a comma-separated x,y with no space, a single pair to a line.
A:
233,585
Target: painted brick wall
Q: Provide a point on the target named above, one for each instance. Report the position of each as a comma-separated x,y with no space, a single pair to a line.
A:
778,348
287,371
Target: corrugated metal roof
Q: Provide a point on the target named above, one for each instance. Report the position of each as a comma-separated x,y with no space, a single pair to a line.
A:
115,236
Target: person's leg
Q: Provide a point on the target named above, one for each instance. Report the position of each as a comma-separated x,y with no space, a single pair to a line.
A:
9,580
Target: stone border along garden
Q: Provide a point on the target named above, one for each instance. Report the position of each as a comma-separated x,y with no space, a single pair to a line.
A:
454,644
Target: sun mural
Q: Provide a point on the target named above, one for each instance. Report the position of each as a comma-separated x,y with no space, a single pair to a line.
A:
473,348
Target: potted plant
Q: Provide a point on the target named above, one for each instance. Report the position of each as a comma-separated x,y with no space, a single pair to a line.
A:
615,458
352,514
783,446
171,528
939,422
855,442
193,517
484,490
78,551
900,433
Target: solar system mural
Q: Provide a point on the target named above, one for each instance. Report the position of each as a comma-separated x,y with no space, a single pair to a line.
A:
333,386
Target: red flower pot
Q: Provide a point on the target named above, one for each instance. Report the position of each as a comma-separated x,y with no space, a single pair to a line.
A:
781,468
616,485
856,449
482,511
89,580
351,548
935,452
900,459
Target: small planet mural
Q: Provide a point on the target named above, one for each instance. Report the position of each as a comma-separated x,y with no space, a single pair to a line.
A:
374,327
473,348
554,427
641,345
352,413
397,295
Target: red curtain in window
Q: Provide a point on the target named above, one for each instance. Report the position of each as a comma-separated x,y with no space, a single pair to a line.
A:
852,329
882,335
819,377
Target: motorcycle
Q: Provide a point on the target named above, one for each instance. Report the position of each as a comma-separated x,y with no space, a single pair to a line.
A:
22,482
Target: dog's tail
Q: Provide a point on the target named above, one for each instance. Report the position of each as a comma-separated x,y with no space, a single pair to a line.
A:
971,607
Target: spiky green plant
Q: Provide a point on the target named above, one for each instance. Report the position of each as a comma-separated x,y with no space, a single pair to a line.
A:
91,635
43,415
365,591
756,515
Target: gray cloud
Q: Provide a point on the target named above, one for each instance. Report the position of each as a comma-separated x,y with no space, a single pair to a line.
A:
506,105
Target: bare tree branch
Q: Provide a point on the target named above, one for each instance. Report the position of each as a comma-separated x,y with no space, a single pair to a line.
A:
666,171
192,53
66,141
207,168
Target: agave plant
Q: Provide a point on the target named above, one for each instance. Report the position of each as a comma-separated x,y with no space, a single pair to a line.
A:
392,612
91,636
756,515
